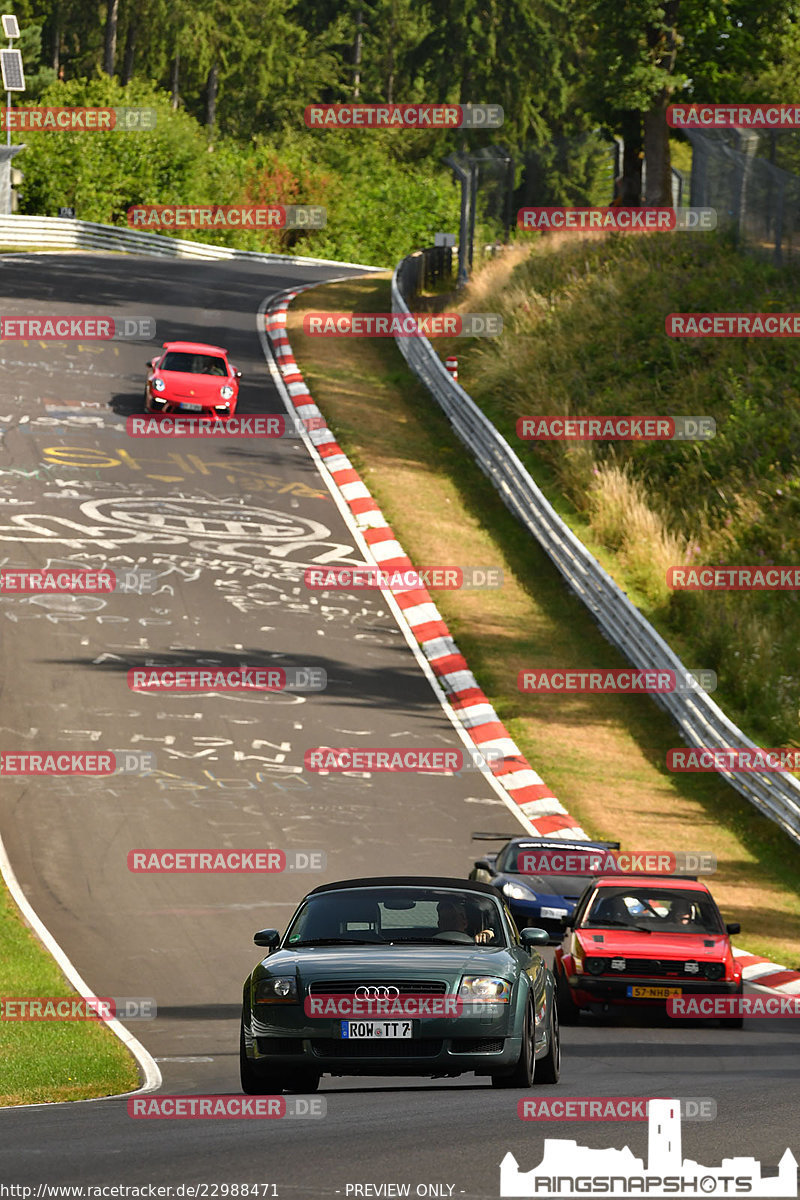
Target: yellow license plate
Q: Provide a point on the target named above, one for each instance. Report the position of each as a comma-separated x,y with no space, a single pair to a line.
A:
653,993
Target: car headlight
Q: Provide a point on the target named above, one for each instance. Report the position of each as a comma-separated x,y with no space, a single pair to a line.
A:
278,989
518,891
714,970
485,987
595,966
226,392
158,385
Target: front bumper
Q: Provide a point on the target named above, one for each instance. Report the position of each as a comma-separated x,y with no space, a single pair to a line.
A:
439,1045
599,989
158,403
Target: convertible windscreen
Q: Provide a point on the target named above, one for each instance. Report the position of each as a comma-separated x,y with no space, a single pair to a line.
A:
193,364
653,909
368,916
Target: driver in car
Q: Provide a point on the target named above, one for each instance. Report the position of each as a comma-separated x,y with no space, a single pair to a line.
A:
453,918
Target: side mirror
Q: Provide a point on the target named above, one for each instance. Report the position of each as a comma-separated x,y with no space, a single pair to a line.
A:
567,922
733,927
268,938
483,864
150,364
530,936
238,374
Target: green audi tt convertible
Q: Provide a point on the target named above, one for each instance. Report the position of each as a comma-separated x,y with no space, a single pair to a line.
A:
399,976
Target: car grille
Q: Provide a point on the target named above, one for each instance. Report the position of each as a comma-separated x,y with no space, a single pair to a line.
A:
476,1045
662,967
393,1048
406,987
279,1045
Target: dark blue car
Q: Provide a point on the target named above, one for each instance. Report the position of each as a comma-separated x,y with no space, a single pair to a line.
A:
541,900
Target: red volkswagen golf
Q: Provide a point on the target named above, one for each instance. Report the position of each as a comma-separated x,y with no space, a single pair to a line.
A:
638,940
191,377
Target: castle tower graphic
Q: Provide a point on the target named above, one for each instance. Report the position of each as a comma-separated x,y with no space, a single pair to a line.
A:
564,1162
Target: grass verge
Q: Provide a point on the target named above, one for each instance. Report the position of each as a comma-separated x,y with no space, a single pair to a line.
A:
48,1061
602,755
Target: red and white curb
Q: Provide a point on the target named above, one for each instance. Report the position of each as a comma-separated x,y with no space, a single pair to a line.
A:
536,806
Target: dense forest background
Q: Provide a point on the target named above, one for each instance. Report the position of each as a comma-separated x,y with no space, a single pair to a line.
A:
230,82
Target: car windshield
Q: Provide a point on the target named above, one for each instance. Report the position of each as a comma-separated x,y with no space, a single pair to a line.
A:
397,915
510,862
193,364
654,909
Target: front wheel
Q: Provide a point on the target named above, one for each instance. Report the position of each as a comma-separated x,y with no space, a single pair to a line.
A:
548,1068
522,1073
257,1081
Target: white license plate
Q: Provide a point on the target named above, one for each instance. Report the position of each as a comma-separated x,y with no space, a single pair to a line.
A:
191,407
554,914
377,1029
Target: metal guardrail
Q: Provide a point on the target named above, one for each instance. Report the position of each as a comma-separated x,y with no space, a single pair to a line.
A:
62,233
701,722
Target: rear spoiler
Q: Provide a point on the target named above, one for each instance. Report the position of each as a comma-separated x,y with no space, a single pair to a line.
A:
565,842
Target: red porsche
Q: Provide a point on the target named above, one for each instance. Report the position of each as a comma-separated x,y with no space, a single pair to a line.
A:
191,377
638,940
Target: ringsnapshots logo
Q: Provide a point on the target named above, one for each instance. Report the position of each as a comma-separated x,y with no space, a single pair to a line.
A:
610,1108
227,679
367,578
733,579
619,681
227,216
618,429
61,328
223,861
122,119
570,1170
402,325
618,219
403,116
344,760
225,1108
732,325
18,581
733,116
76,762
615,862
734,758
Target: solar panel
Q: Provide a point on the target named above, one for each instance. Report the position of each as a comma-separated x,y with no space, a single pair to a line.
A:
10,27
13,74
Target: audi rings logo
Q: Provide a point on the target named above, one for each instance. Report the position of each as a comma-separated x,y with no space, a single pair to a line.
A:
381,992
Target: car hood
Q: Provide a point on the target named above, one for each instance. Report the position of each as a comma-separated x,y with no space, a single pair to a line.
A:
184,383
400,962
653,945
